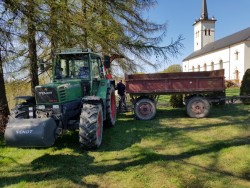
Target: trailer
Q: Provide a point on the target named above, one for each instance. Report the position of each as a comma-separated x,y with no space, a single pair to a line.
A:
200,90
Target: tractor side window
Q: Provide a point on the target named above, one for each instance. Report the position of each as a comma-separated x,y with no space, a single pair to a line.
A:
61,70
95,67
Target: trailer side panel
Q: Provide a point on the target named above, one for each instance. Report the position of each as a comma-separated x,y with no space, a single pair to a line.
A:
182,82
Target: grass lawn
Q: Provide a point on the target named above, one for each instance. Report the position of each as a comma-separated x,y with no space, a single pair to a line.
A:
169,151
233,91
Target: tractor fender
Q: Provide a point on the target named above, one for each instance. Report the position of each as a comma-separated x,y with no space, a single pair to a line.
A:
92,99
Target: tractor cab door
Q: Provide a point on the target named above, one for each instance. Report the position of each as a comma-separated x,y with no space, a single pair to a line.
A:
95,73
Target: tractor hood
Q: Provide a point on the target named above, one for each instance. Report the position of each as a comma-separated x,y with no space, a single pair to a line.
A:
59,92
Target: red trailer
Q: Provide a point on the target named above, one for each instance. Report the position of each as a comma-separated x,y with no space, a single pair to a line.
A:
199,89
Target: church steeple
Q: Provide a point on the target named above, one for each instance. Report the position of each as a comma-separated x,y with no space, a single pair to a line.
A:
204,13
204,28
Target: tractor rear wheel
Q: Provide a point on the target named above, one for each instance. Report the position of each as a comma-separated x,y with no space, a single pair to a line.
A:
91,126
198,107
110,108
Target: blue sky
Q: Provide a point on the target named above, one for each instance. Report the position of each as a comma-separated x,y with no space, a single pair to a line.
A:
231,16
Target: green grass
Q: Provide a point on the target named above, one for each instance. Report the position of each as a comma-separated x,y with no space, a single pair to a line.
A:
233,91
170,151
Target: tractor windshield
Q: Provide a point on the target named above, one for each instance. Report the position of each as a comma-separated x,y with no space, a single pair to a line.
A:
72,66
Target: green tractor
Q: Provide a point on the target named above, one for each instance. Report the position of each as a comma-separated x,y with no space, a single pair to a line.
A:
79,97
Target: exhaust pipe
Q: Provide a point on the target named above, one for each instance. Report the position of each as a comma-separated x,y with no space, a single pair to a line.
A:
30,132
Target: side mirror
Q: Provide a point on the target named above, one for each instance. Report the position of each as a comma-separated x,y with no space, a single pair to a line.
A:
107,62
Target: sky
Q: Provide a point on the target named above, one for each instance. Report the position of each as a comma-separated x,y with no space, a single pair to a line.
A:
231,15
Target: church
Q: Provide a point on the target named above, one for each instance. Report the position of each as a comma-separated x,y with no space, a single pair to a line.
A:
231,53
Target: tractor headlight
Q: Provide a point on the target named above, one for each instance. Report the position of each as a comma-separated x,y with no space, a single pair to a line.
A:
55,107
41,107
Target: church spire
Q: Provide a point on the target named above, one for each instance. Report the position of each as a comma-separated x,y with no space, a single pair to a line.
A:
204,13
204,28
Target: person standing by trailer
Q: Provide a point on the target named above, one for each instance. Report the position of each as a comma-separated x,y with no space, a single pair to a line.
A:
122,97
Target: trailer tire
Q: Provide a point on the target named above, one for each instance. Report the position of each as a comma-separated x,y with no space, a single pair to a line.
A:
110,108
91,126
145,109
197,107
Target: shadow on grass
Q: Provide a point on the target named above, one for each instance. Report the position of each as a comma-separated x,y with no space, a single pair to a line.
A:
216,111
127,132
230,109
75,167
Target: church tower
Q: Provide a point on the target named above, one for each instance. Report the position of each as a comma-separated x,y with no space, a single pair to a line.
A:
204,28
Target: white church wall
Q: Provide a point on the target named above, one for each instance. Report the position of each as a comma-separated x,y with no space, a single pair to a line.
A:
237,62
231,59
197,36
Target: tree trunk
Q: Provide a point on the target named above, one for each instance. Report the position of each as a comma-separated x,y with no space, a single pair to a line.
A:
53,27
84,8
4,108
32,46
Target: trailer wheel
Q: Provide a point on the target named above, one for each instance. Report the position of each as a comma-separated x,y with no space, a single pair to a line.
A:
110,108
145,109
198,107
91,126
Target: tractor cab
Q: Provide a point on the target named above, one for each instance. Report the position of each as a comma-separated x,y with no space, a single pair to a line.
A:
78,64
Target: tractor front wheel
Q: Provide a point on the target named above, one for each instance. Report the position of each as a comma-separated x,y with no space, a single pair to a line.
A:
91,126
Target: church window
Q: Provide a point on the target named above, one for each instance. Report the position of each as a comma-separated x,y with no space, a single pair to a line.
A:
212,66
236,72
207,32
205,67
221,64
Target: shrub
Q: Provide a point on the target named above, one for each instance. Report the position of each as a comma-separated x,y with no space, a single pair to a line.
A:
231,84
176,101
245,87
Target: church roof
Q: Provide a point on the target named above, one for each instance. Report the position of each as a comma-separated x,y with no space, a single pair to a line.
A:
235,38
